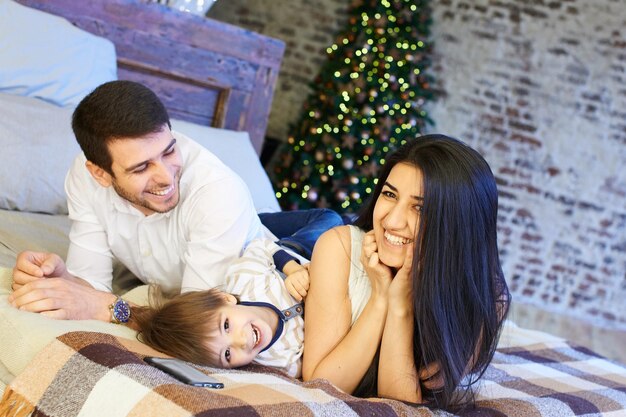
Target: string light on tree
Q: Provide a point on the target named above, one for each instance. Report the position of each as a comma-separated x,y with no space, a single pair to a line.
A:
368,99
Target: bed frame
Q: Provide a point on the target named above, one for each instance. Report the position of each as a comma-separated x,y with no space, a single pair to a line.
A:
205,71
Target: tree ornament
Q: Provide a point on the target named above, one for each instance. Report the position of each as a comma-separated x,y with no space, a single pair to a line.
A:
312,195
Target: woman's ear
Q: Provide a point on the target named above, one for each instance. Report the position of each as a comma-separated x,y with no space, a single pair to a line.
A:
100,175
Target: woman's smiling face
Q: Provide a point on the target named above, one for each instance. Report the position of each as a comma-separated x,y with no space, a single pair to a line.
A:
397,213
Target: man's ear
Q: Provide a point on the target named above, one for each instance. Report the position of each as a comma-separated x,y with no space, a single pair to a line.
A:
100,175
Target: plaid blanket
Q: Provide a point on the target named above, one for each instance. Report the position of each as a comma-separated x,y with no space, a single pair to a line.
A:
94,374
551,379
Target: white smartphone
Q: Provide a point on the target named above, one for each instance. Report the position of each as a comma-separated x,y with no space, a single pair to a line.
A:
183,372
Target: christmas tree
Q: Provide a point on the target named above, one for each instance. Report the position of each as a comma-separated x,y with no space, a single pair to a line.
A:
367,100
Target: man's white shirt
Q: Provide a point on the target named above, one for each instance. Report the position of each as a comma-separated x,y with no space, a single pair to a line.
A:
187,248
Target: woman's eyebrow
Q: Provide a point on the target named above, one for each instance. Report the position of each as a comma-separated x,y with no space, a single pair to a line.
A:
416,197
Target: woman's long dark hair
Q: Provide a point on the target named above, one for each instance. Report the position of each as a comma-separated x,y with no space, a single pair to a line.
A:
461,297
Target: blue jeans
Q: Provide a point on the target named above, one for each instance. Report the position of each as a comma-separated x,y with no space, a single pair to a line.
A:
299,229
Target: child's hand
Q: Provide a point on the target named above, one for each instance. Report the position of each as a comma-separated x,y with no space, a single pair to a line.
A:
297,281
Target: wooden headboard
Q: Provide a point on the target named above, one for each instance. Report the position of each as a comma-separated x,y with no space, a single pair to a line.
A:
205,71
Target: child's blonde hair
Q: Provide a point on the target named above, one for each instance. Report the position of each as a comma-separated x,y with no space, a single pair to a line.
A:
180,326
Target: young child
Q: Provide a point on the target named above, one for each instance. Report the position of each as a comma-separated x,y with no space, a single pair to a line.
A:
213,327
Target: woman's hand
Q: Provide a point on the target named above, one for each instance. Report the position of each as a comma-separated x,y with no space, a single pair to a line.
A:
379,274
431,376
401,288
397,374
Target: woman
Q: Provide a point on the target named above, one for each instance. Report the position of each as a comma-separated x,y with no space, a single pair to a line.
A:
408,303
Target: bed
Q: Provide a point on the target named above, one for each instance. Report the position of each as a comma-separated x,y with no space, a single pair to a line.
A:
217,82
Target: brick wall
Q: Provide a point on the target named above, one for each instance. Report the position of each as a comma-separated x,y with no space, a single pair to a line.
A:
539,88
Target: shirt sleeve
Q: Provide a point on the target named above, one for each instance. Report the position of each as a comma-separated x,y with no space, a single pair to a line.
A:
221,219
281,257
254,275
89,256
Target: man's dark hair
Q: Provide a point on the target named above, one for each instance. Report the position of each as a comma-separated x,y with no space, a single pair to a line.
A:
116,110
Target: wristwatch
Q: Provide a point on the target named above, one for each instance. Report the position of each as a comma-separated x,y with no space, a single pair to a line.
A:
120,311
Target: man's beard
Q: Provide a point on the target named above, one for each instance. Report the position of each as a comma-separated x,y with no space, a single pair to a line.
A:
142,202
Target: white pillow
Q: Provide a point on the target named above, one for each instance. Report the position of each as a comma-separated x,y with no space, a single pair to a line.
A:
45,56
38,147
235,150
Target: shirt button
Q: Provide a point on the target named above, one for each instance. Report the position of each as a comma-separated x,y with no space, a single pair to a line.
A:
147,254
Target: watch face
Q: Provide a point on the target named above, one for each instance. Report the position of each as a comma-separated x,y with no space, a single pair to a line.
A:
121,311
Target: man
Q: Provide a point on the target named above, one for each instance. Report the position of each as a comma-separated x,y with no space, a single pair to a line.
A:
160,203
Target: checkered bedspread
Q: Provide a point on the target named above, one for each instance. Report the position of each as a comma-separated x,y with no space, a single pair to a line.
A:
551,379
94,374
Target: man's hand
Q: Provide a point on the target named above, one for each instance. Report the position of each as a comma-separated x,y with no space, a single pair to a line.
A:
297,281
31,266
63,298
42,284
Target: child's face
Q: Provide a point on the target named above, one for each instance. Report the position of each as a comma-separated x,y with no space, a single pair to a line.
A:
242,333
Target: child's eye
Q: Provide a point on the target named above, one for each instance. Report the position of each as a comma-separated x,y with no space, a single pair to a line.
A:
419,208
227,355
170,151
226,325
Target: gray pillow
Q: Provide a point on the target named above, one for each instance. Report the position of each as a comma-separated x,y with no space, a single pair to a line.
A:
38,147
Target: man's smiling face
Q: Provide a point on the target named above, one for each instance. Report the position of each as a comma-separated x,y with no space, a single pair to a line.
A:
146,171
